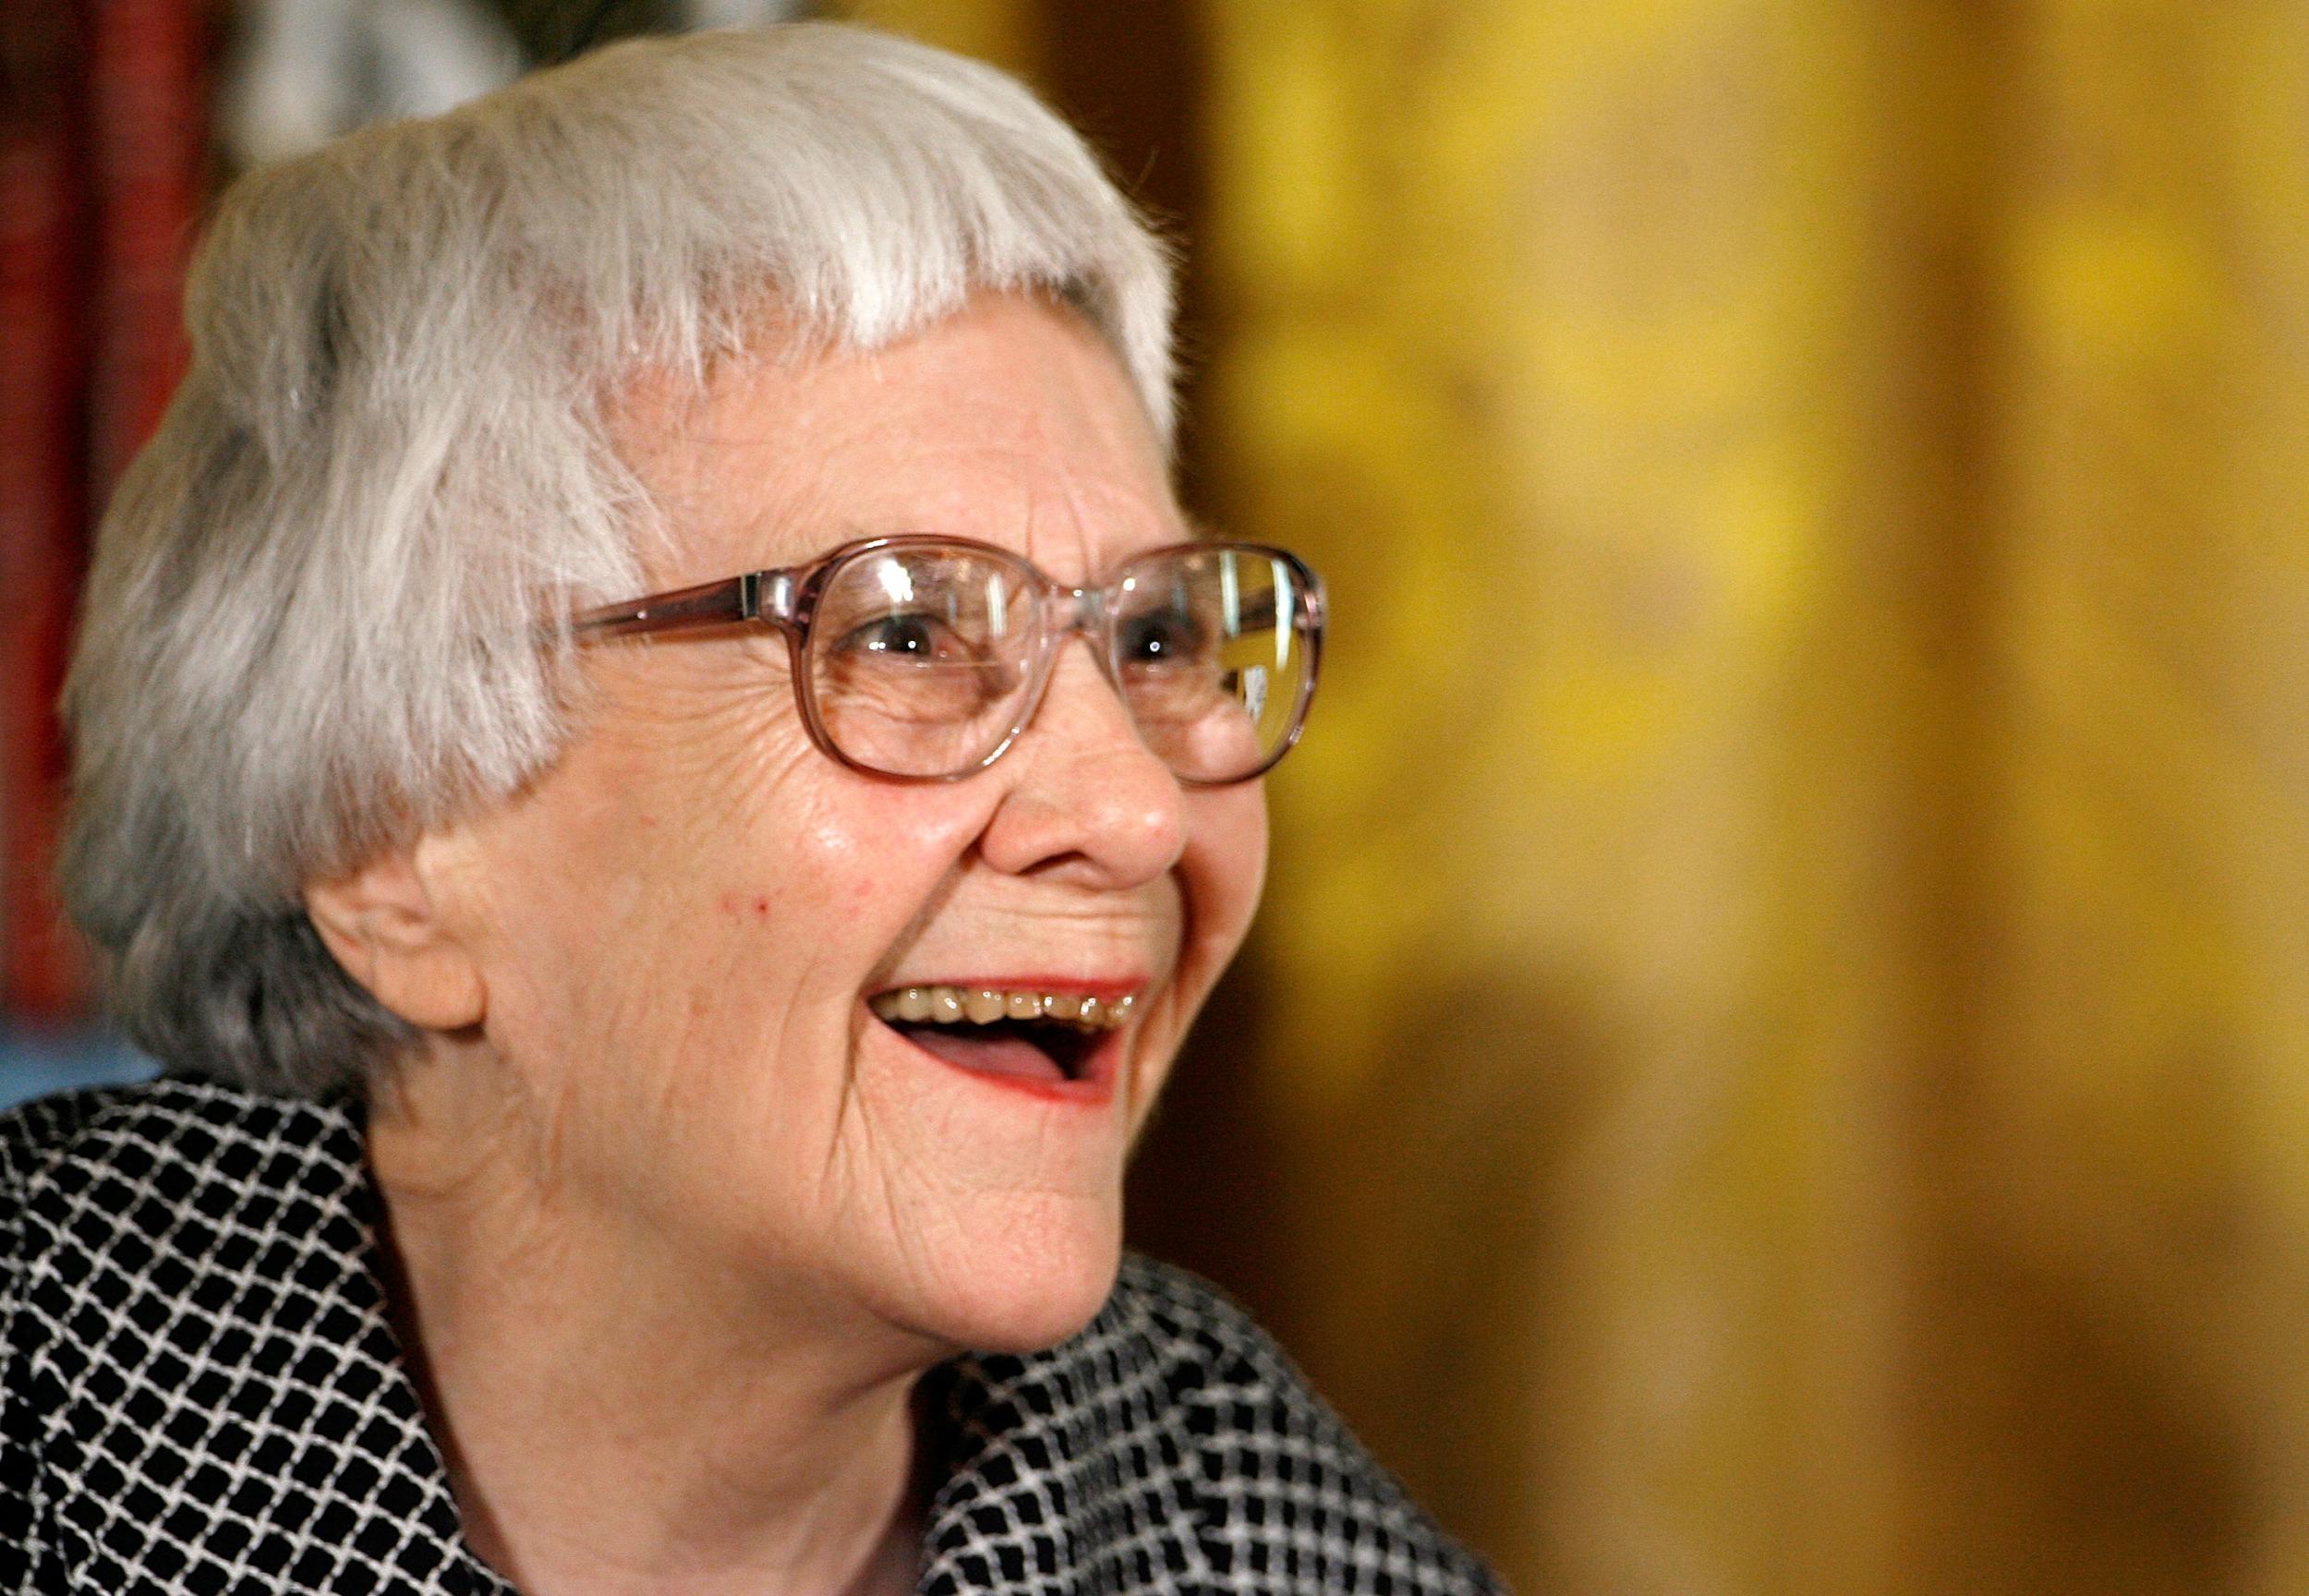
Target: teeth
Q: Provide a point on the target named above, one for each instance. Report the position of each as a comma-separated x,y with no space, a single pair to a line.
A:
984,1005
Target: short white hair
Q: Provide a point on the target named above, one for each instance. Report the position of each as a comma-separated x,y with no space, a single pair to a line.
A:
312,625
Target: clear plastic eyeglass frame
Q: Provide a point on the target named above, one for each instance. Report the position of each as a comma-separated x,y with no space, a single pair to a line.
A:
788,602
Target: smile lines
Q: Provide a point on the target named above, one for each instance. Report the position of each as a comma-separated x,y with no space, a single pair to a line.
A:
987,1005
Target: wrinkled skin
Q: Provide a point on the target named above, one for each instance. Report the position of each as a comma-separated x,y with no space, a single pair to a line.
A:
653,1105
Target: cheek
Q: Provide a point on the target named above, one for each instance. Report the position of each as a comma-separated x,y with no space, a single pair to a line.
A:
1224,866
721,821
814,884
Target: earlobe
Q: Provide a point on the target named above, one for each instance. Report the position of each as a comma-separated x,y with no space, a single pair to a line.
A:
384,923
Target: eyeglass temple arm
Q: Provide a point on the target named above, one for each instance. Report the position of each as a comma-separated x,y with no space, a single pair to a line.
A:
756,596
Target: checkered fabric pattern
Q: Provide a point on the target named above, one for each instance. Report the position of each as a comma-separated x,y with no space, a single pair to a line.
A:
200,1391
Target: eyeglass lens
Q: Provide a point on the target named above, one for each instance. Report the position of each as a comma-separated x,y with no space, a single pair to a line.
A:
923,661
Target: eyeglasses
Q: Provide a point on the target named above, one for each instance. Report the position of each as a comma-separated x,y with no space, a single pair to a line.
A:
925,658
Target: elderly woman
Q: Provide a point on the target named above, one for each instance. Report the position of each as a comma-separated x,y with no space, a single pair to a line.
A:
657,760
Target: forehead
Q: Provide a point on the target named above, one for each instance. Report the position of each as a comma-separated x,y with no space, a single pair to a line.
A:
1011,422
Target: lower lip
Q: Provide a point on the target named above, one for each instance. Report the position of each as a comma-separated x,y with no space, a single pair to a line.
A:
1093,1088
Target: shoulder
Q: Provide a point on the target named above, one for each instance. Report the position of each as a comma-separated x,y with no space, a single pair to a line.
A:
199,1382
1177,1429
119,1201
104,1196
109,1159
134,1184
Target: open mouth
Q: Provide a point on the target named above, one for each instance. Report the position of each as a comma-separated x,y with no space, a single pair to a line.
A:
1015,1034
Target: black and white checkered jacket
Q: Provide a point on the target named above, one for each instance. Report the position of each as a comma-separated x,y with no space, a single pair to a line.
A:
199,1391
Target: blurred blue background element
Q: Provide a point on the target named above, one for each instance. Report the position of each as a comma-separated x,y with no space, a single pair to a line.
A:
36,1060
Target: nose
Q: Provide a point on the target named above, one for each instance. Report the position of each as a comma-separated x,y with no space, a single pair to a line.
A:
1086,797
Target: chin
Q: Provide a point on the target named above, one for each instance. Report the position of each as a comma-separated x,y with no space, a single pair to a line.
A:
1025,1283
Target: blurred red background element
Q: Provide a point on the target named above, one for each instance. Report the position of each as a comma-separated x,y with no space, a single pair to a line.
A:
103,118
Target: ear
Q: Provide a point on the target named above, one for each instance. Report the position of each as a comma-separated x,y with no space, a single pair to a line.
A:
384,922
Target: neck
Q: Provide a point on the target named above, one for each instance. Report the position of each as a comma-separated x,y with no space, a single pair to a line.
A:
619,1417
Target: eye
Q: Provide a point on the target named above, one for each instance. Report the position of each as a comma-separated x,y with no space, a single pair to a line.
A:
1160,638
921,638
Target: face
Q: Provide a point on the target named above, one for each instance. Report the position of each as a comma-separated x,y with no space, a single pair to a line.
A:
683,929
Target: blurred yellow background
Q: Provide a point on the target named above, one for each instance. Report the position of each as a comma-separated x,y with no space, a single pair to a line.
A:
1776,1058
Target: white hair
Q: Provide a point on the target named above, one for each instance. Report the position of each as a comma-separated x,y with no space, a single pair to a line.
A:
313,624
